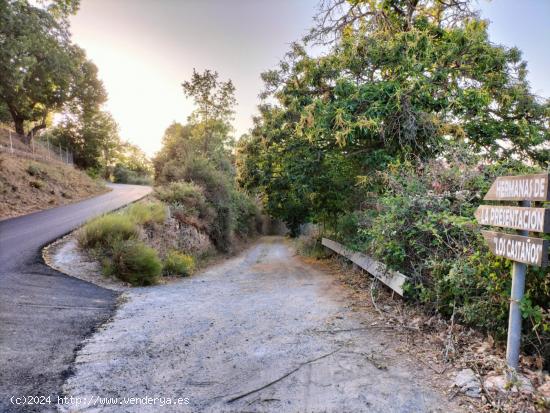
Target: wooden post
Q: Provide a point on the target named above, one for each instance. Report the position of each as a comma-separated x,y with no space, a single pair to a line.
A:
11,143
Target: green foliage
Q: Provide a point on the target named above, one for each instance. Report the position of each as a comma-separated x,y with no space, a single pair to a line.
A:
195,167
42,71
146,213
177,263
187,202
390,88
423,225
134,262
105,231
123,175
132,166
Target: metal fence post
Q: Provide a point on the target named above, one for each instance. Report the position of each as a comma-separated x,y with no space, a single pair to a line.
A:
11,143
514,322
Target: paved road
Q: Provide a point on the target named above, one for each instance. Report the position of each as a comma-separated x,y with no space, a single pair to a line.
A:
44,314
261,332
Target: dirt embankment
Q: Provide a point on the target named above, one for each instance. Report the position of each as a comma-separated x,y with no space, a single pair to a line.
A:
30,185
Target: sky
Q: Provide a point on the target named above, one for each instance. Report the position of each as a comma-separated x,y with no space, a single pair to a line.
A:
145,49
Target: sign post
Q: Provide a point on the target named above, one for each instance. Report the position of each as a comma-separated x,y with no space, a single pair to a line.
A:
521,248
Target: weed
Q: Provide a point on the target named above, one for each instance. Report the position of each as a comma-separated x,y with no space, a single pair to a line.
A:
147,213
177,263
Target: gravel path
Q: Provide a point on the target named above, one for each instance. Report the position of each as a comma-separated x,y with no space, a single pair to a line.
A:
221,337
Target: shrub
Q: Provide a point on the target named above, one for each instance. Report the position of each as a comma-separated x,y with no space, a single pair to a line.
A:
309,245
35,170
105,231
123,175
177,263
246,213
423,225
147,213
185,194
134,262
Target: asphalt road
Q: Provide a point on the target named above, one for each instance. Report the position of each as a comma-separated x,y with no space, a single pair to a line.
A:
44,314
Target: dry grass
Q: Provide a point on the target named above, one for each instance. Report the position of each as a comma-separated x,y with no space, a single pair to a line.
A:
27,186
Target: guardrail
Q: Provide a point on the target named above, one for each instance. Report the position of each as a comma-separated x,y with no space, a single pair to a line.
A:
393,279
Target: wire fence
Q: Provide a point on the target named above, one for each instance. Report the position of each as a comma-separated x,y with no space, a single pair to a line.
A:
38,148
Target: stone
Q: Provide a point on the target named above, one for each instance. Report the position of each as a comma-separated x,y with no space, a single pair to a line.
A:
468,383
500,383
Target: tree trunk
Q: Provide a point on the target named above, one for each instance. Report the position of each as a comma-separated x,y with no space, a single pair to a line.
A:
33,131
19,126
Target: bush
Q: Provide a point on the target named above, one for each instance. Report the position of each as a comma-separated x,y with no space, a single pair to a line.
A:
309,245
134,262
105,231
177,263
123,175
247,214
35,170
423,225
147,213
185,194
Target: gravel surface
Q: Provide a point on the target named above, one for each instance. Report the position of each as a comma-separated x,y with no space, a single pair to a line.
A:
262,332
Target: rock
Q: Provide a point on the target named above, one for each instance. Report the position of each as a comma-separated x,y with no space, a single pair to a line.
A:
501,383
468,383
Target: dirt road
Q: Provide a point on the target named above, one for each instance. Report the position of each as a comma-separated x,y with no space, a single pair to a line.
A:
221,337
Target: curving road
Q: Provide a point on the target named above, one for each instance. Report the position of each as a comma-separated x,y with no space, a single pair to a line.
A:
44,314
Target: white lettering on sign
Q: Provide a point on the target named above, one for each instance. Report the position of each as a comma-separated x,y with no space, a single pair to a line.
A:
529,219
521,188
518,250
532,251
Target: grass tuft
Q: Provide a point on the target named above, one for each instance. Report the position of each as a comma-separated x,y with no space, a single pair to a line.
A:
105,231
177,263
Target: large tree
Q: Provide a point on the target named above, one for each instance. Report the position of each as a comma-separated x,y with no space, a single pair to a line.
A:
401,81
41,71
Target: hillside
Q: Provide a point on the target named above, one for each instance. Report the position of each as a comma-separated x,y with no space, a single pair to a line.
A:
28,185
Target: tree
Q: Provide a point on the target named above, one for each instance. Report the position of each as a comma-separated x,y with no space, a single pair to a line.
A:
40,69
403,80
215,101
93,138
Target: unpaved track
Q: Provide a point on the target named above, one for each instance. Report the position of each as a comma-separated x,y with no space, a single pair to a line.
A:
241,325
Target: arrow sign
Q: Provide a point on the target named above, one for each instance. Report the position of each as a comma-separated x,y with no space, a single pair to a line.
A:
519,188
532,251
526,219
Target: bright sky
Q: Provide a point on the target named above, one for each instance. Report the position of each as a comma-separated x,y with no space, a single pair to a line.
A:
145,49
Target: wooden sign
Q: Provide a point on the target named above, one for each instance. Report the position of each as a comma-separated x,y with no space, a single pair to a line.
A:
532,251
526,219
519,188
